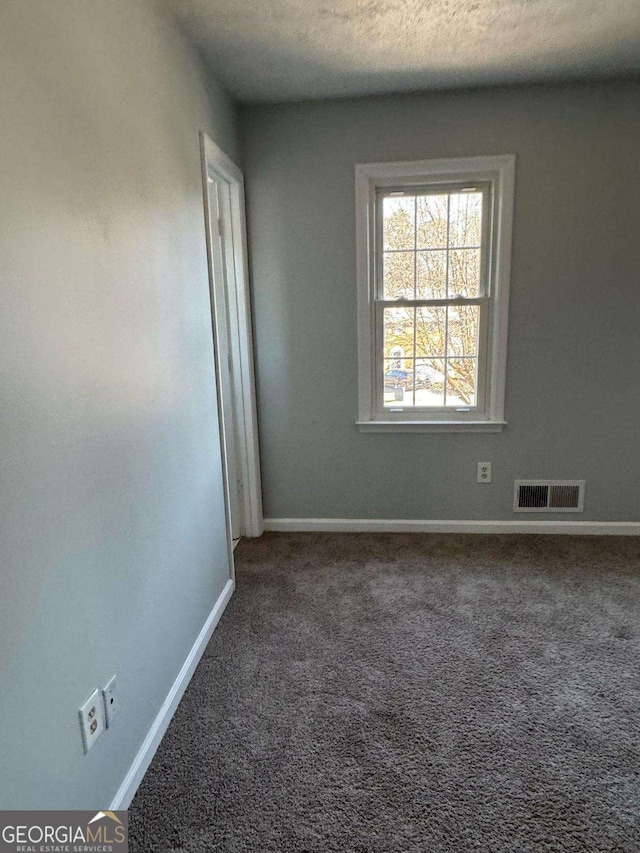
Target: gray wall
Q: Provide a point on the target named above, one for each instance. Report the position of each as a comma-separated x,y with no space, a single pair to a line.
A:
112,533
572,396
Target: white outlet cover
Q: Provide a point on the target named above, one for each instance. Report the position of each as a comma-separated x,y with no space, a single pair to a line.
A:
111,703
92,719
484,472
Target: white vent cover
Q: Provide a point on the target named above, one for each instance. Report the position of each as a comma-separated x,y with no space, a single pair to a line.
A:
548,496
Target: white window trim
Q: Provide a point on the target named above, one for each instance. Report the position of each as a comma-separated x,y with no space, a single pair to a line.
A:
500,170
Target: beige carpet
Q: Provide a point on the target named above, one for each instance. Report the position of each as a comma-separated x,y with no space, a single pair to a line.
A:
410,694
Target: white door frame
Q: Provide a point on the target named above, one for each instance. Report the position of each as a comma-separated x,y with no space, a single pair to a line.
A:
216,164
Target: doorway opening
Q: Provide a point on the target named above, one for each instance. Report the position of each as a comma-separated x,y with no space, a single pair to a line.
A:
232,338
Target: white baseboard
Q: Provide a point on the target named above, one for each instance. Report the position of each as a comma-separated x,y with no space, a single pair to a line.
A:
141,762
383,525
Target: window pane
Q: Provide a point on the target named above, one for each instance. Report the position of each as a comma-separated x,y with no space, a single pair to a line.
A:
431,269
429,382
464,273
432,222
398,332
398,275
398,382
399,359
430,331
462,330
461,381
465,219
432,250
398,222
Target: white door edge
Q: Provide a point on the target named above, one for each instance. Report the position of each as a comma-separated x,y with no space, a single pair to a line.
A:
217,165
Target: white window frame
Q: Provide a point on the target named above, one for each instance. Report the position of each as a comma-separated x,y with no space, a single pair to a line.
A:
372,178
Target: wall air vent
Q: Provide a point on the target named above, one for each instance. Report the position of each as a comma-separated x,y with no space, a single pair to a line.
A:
548,496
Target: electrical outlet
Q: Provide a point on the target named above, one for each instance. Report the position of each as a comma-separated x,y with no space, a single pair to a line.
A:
92,719
111,703
484,472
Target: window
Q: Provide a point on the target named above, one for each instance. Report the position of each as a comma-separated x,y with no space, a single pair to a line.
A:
434,246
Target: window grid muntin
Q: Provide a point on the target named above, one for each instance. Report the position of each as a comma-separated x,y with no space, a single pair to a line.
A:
484,187
479,356
482,300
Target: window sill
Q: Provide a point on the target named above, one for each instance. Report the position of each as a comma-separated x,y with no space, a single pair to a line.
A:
431,426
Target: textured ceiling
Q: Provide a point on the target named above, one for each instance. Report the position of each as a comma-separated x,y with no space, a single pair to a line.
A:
278,50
